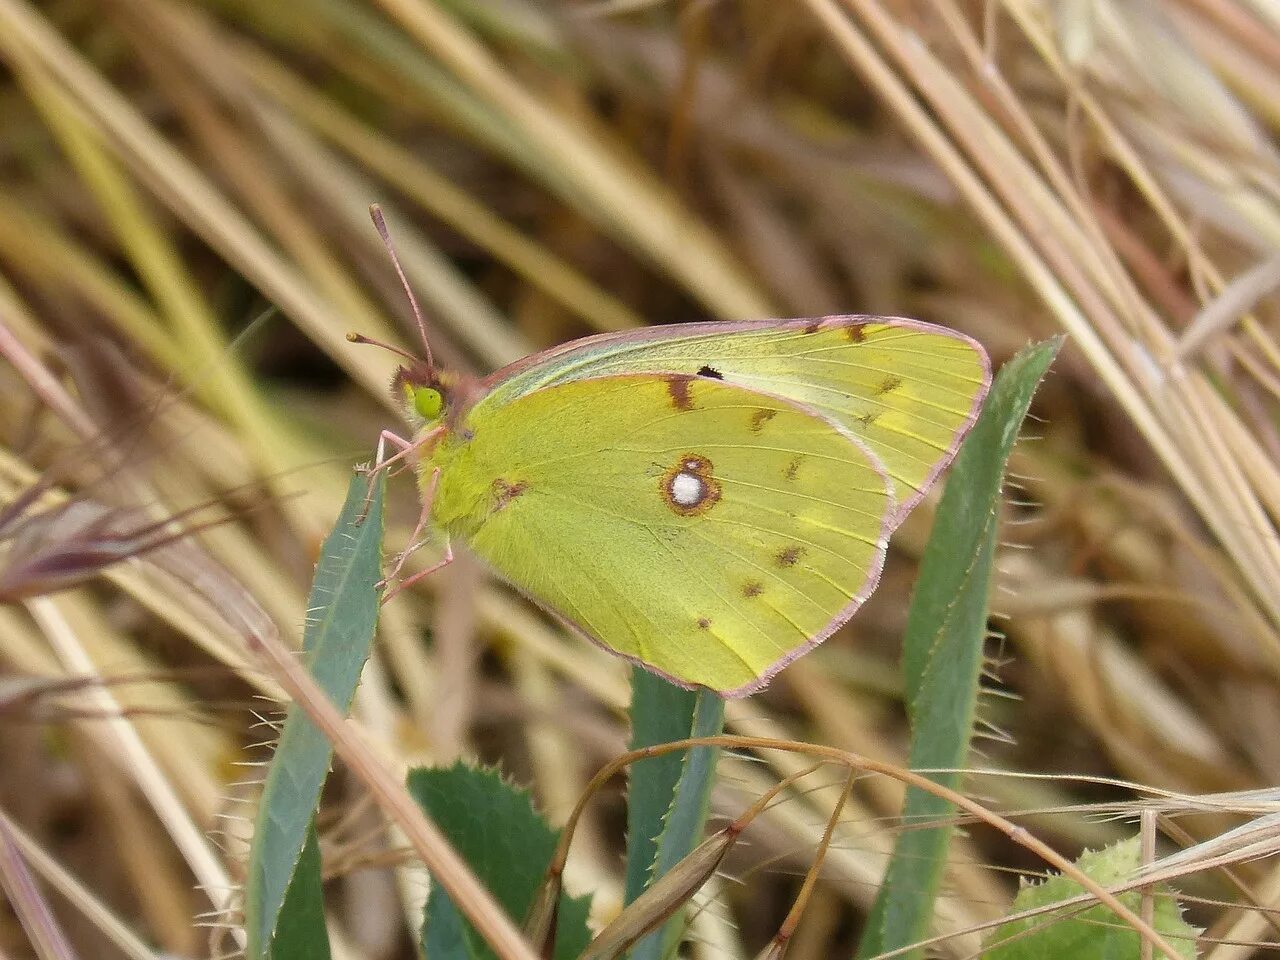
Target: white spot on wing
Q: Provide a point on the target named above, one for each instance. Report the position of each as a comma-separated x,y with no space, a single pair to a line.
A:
687,490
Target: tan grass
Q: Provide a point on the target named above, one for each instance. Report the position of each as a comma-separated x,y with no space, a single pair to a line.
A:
168,167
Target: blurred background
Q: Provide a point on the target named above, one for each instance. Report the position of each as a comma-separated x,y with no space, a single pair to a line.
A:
185,242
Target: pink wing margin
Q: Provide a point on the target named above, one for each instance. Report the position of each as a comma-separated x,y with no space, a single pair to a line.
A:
845,614
548,360
506,381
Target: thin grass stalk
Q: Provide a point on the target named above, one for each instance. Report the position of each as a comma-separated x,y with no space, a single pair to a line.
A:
155,786
20,321
207,357
856,860
178,299
41,251
180,735
116,931
152,583
441,285
203,50
1093,891
440,197
1126,154
625,197
26,900
25,37
191,68
1236,519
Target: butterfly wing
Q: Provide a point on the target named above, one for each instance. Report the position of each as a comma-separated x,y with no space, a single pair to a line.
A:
708,532
909,390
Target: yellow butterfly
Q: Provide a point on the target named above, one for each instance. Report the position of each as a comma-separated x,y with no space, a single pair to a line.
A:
708,500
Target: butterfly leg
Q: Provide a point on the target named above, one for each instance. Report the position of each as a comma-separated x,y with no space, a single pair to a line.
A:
428,498
416,540
422,574
381,461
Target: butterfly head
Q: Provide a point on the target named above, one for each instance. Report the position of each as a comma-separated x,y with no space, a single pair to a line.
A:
424,392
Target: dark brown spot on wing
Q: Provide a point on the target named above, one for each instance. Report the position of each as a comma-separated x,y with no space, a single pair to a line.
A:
855,333
704,623
813,326
760,418
678,390
752,588
504,491
888,384
868,418
710,373
790,556
793,468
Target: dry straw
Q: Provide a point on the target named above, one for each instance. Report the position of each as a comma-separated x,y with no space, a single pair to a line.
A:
1012,168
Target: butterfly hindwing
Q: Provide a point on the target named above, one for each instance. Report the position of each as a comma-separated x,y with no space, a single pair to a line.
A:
710,531
909,390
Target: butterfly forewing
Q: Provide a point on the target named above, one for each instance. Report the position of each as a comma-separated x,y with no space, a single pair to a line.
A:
711,532
909,390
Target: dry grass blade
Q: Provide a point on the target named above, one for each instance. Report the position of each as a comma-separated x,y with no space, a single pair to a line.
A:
661,230
30,41
118,932
170,169
47,938
442,198
152,780
1184,420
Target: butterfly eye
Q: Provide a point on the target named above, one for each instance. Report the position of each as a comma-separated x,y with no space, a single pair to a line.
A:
428,401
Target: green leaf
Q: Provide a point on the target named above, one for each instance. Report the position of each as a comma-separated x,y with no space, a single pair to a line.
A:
1094,933
687,819
943,648
444,931
342,616
660,712
508,845
300,931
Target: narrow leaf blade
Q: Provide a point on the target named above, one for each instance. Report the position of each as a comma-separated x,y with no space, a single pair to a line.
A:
686,821
942,649
660,712
343,613
300,931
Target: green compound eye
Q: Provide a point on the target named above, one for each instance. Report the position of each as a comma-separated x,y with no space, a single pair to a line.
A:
428,402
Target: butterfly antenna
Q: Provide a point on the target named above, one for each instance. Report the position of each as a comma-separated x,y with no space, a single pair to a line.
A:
380,223
361,338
